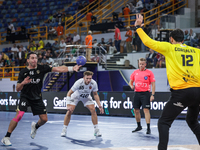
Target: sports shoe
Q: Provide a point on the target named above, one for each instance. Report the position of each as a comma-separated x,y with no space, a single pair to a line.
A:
137,129
33,130
148,131
97,133
64,132
6,141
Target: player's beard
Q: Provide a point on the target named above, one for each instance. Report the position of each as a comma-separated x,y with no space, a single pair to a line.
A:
33,64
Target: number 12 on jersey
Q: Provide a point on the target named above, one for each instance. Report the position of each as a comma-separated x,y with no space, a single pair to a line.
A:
187,60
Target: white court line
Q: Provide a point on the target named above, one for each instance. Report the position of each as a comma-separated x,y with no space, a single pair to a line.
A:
171,148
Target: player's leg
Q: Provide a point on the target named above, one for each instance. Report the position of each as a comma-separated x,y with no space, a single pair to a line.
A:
71,105
192,120
94,119
136,106
171,110
21,109
145,100
38,108
70,109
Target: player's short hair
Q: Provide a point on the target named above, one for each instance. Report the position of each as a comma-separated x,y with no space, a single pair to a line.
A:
28,55
142,59
177,35
88,73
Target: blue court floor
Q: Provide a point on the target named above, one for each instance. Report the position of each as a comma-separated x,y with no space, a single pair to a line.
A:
116,134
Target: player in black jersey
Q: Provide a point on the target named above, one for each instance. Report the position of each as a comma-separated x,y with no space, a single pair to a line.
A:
30,84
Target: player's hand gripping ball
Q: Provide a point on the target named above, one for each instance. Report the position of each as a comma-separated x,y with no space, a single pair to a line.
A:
81,60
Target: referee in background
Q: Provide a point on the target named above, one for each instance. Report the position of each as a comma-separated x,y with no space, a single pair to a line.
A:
143,79
183,72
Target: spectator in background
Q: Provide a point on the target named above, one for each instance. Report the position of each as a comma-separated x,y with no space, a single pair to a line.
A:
69,18
139,6
76,39
80,7
69,39
88,42
128,40
21,57
102,43
4,59
52,32
150,5
95,58
60,32
44,60
88,16
71,58
192,35
161,59
48,53
55,47
23,48
31,41
152,58
195,41
32,48
40,59
49,60
186,37
126,12
14,51
12,28
62,47
33,28
117,37
111,48
41,42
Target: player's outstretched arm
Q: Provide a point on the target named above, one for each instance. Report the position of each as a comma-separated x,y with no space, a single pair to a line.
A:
161,47
66,69
20,86
97,99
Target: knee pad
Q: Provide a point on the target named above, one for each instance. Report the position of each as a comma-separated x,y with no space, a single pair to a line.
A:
19,116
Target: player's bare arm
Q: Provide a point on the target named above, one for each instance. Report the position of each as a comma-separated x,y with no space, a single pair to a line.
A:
153,91
66,69
70,92
131,84
97,99
20,86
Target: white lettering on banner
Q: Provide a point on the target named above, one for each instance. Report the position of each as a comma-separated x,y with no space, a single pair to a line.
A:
12,101
45,102
104,103
128,104
59,104
3,101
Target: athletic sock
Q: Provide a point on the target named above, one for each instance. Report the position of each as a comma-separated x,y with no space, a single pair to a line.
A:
148,125
96,126
64,126
37,126
8,134
138,124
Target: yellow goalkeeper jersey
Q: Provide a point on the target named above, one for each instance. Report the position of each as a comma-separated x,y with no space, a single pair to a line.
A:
182,61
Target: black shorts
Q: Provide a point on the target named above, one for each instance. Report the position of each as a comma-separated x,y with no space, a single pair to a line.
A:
37,106
141,99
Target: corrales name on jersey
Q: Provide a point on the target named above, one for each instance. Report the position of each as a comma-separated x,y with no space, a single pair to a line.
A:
185,50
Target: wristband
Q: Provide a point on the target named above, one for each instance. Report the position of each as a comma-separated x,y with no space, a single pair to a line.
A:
70,69
138,26
152,94
68,98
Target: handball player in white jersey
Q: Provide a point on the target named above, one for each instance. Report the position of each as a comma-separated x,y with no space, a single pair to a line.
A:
81,91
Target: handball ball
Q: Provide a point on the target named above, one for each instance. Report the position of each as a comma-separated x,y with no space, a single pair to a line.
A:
81,60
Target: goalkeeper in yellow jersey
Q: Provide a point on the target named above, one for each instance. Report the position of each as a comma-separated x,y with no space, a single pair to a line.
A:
183,73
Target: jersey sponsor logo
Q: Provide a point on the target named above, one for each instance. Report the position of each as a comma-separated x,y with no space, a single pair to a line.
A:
25,74
141,84
35,81
90,87
31,72
81,87
84,95
145,77
185,50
